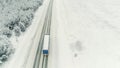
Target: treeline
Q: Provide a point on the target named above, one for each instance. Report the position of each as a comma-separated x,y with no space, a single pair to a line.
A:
15,17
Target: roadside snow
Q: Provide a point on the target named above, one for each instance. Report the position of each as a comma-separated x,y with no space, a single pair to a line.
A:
87,33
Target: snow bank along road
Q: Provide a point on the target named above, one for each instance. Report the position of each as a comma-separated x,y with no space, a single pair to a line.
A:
87,34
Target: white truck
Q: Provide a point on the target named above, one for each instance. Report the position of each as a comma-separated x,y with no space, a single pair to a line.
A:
46,44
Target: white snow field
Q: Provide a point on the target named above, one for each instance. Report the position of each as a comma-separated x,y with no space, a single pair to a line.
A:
85,34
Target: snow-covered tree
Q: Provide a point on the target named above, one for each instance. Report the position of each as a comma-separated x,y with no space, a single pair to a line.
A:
6,48
17,31
22,26
6,32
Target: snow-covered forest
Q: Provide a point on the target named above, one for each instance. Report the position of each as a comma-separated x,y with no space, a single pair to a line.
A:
15,17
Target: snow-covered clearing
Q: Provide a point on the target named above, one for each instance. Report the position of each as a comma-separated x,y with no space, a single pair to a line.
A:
86,34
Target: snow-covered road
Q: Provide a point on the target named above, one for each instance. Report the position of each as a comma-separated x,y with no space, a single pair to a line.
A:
85,34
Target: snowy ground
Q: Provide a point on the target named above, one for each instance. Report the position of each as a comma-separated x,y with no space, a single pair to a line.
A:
86,34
